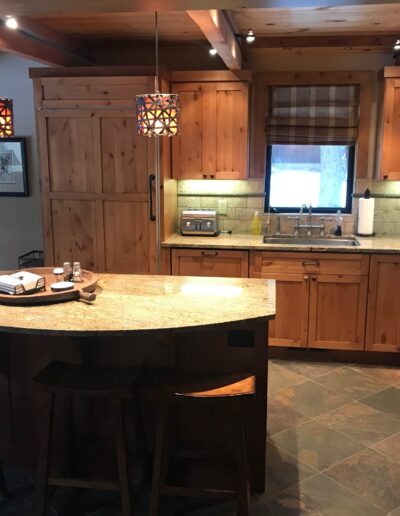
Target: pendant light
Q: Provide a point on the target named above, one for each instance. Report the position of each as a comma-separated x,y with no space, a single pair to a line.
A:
6,118
157,114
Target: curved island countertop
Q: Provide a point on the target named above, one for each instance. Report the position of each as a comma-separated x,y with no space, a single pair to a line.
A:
138,303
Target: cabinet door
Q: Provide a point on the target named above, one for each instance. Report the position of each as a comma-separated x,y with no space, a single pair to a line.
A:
390,154
337,311
193,151
231,139
383,319
224,264
125,161
290,327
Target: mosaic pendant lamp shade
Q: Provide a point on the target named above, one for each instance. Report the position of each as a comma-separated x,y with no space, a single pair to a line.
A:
157,114
6,118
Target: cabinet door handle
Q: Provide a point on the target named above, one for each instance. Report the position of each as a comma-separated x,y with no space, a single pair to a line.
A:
212,176
306,277
152,178
311,262
209,253
204,176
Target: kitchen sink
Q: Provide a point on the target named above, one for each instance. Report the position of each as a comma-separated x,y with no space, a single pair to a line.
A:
310,241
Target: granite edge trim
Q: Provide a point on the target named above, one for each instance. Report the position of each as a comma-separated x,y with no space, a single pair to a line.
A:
281,247
126,333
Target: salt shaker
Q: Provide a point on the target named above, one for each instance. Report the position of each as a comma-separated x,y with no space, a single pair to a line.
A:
59,274
76,272
67,271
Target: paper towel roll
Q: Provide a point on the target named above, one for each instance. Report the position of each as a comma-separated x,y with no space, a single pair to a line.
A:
366,217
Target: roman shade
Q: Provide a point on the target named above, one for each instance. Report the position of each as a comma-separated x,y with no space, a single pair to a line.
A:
320,115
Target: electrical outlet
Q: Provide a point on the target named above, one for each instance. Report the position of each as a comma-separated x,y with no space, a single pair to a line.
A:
222,207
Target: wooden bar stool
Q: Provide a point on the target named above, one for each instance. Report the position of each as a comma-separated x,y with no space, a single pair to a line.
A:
169,387
118,385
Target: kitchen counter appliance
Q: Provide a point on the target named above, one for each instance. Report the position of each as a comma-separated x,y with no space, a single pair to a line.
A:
200,222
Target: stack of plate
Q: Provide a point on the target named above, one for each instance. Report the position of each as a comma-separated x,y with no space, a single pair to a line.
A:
21,282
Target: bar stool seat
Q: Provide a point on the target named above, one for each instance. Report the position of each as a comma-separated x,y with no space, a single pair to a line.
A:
62,377
169,387
119,385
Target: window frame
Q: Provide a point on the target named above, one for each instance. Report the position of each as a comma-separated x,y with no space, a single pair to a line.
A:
350,186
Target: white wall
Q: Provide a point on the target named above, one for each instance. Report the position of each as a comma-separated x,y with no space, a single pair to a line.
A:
20,217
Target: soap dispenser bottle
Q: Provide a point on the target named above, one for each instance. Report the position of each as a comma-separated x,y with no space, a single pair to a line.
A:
339,222
256,226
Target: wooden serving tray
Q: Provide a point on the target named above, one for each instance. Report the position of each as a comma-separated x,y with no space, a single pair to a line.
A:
83,290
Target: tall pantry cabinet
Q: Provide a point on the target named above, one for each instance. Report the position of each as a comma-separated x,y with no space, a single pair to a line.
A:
97,175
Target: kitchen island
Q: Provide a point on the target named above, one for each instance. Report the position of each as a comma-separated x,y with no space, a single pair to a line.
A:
214,325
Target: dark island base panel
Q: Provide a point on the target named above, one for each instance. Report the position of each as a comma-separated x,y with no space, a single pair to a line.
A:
240,348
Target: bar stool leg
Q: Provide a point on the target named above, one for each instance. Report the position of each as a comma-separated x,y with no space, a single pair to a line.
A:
3,484
44,459
122,456
140,436
242,488
158,459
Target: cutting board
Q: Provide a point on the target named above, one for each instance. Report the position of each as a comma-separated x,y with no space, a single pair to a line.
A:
83,290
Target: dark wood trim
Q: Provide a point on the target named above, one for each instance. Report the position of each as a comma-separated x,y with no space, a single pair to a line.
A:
34,41
346,42
28,7
211,75
94,71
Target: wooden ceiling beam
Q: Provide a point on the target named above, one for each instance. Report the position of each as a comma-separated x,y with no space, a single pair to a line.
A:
218,31
62,8
34,41
384,42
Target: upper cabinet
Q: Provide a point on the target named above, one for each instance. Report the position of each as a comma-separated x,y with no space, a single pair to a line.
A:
390,150
213,142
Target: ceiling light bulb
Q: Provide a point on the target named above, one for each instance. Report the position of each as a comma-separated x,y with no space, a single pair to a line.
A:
11,22
396,46
250,38
213,51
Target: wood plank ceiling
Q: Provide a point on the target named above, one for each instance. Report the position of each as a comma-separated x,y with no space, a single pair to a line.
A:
363,26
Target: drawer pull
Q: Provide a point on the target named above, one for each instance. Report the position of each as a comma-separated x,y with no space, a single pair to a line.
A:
209,253
311,263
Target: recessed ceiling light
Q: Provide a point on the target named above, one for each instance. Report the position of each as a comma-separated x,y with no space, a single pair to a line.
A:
11,22
213,51
250,37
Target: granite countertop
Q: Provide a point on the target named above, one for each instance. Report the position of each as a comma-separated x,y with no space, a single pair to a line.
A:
137,303
237,241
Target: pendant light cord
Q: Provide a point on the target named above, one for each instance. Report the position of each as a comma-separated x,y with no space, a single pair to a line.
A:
156,22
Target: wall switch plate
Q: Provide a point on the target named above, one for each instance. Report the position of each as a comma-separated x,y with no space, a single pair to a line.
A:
222,207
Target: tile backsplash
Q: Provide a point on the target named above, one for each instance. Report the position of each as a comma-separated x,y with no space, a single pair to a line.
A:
244,197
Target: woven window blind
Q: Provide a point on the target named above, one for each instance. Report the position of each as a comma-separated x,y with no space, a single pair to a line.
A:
318,115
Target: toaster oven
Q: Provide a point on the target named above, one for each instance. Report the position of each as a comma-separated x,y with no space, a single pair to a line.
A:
199,222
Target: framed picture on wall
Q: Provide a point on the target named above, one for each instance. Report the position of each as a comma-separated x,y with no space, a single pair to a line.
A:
13,173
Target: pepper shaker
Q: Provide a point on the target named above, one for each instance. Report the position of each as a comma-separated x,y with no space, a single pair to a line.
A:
67,271
77,272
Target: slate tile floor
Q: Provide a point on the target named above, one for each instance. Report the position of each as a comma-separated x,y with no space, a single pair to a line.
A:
333,449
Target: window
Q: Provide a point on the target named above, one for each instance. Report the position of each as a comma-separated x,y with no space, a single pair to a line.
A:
302,174
311,136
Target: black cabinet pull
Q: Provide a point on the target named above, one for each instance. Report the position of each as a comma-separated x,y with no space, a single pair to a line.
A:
152,178
209,253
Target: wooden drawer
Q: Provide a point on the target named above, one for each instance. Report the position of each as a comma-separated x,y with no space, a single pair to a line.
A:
210,262
263,264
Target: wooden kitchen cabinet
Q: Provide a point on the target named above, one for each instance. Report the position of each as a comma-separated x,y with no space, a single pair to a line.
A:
213,141
390,150
337,311
383,316
321,298
95,173
210,262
